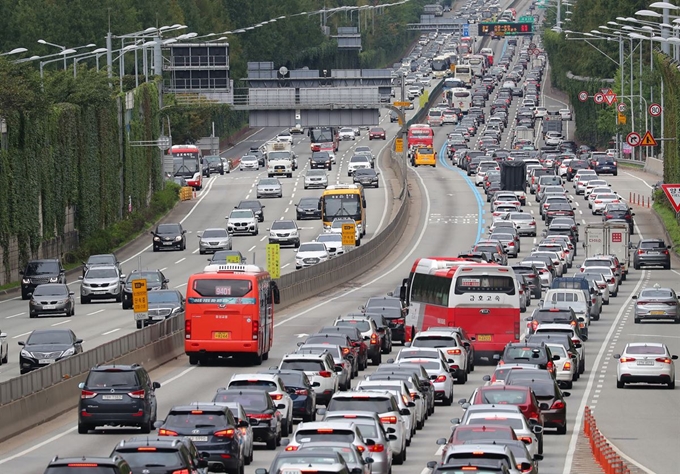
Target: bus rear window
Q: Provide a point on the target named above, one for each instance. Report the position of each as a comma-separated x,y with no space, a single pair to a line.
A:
485,283
222,287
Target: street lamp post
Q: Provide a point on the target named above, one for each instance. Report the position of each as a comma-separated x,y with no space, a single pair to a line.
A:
96,53
42,63
14,51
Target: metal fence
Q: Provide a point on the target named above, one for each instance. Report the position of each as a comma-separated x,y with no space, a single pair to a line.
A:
45,377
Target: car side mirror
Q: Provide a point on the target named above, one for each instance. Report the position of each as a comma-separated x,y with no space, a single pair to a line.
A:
556,357
392,437
281,406
338,368
158,423
261,470
316,384
321,411
405,412
486,378
80,278
455,421
243,424
544,406
441,441
156,385
674,357
407,344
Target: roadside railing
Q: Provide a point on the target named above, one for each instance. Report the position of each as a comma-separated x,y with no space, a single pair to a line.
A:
603,452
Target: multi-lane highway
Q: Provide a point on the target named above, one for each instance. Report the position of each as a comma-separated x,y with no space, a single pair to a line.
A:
448,217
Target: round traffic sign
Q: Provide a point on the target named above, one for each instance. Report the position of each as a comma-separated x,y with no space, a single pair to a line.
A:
621,107
583,96
599,98
163,142
655,110
532,45
633,139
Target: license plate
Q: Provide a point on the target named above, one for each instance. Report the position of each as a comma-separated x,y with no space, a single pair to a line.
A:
221,335
46,361
657,313
158,318
167,243
200,439
652,253
49,306
645,362
112,397
99,292
484,338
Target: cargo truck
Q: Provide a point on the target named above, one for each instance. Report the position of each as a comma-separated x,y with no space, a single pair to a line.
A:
609,238
514,178
281,160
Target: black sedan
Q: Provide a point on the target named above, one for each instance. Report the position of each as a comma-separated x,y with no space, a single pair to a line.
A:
46,346
367,177
155,280
308,208
163,304
620,212
51,299
255,206
169,237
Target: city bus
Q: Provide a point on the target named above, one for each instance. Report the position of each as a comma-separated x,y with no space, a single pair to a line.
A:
344,201
420,134
477,63
319,136
464,74
441,66
459,97
187,161
230,313
482,298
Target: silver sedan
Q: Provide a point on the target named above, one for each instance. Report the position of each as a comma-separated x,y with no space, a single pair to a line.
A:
656,303
269,187
212,240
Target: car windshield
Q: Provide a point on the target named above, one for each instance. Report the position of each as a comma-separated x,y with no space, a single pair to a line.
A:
111,378
139,460
645,349
359,159
150,277
312,247
168,229
212,159
49,337
279,225
215,233
241,215
101,260
254,205
329,238
42,268
364,173
312,202
250,401
97,272
249,158
51,290
268,182
163,297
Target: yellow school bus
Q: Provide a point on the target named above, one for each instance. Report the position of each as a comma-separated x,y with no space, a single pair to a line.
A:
344,201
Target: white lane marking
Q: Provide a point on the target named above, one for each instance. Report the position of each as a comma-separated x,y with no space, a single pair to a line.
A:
251,248
591,379
10,299
263,238
14,315
20,335
284,266
39,445
204,194
110,332
95,312
180,260
180,286
61,322
639,179
195,251
385,195
286,211
163,269
654,335
404,259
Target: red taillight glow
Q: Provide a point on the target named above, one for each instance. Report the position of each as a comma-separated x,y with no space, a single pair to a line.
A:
301,391
440,379
377,448
291,448
187,329
87,394
276,396
391,420
525,439
361,449
566,366
557,405
345,350
261,416
325,374
181,471
374,339
228,433
164,432
623,360
83,464
453,351
664,360
256,330
137,394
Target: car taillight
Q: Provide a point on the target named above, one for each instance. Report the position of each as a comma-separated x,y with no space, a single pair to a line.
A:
642,302
390,420
187,329
376,448
181,471
87,394
413,395
557,405
261,416
325,374
399,321
375,339
345,350
525,439
137,394
665,360
453,351
612,280
511,244
550,366
291,448
566,366
623,360
256,330
164,432
665,252
301,391
228,433
276,396
440,379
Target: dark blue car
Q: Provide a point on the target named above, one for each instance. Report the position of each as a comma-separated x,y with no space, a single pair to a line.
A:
603,164
300,390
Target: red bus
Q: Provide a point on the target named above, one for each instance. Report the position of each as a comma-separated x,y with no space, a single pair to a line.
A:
482,298
420,134
230,313
187,161
319,136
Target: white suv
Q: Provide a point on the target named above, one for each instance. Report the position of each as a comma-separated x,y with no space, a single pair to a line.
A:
242,221
451,346
319,368
358,162
273,384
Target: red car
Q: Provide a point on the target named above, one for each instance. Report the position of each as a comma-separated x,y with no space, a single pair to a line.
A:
518,395
376,133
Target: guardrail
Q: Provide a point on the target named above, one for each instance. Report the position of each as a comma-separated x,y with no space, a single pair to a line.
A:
36,397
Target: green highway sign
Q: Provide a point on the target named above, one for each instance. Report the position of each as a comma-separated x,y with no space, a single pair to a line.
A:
523,19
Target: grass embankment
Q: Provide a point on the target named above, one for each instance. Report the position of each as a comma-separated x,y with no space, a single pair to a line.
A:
670,221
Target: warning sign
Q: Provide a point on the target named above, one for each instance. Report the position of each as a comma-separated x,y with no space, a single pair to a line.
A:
648,140
672,192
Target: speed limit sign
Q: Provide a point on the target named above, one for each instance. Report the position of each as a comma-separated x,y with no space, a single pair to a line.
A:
621,107
655,110
583,96
599,98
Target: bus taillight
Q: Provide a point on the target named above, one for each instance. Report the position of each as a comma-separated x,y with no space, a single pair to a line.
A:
187,329
256,330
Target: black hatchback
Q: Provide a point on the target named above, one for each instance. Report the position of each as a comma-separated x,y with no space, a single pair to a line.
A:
308,208
214,431
169,237
527,353
117,395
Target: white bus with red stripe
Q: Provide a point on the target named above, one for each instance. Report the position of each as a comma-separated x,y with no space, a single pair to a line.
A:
482,298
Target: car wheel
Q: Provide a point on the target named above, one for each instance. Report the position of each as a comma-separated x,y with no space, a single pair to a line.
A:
562,429
637,320
84,300
400,458
146,427
139,324
4,359
83,428
126,304
620,384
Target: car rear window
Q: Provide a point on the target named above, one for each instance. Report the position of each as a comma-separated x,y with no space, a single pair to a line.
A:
542,389
359,403
514,423
503,397
469,433
184,419
139,460
641,350
324,435
112,378
656,293
249,401
562,297
652,245
434,341
302,364
264,384
553,316
359,324
85,468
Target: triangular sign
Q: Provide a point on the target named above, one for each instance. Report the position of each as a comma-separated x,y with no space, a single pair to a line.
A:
648,140
672,192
